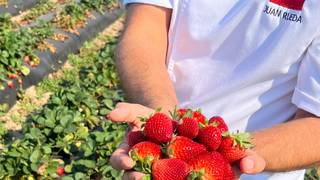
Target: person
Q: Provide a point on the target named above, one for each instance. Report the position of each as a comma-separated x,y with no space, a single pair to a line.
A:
255,63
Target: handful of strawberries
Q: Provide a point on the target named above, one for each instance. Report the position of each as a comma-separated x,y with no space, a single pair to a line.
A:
186,146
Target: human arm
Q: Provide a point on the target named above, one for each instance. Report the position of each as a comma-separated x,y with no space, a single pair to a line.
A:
141,56
290,146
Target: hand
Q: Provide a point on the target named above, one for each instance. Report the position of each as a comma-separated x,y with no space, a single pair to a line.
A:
129,113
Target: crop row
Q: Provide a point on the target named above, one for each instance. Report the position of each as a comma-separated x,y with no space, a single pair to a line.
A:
19,45
71,130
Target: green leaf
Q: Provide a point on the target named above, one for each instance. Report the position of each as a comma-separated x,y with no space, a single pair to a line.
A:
25,70
35,156
68,168
86,163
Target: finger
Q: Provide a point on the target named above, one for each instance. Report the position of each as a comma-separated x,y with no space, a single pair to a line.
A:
252,163
120,159
130,113
132,175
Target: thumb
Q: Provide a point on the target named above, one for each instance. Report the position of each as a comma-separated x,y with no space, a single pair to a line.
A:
129,113
252,163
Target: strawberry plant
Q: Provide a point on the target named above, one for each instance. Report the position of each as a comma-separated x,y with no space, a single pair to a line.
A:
42,7
69,137
17,48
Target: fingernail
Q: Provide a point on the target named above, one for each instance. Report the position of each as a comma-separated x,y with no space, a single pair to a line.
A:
249,164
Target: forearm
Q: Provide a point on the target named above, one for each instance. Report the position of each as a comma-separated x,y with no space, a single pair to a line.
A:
141,62
290,146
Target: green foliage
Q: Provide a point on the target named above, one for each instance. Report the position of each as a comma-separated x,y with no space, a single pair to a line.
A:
15,45
71,129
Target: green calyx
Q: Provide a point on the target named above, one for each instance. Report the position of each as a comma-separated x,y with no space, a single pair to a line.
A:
142,164
241,139
194,175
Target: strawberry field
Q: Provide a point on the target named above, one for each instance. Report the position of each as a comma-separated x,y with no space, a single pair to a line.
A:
58,82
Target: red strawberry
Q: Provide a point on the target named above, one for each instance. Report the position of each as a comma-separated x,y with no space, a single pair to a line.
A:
60,171
211,137
184,148
135,137
10,84
170,169
233,146
144,154
158,128
228,172
174,125
182,112
199,117
12,76
188,128
209,165
219,123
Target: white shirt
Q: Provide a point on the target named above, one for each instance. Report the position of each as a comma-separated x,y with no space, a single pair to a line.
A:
253,62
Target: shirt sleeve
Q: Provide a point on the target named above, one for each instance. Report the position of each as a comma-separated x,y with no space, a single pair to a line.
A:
162,3
306,95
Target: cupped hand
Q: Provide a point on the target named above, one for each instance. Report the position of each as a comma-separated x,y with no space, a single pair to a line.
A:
129,113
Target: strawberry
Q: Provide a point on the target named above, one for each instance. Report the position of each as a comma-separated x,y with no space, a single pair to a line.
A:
197,115
60,171
184,148
10,84
210,165
188,128
170,169
174,125
219,123
182,112
12,76
158,128
228,172
233,146
210,136
144,154
135,137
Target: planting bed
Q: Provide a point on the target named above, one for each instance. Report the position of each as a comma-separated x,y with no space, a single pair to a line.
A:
52,53
14,7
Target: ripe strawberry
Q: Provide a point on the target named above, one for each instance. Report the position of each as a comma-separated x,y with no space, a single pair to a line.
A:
12,76
158,128
233,146
174,125
182,112
184,148
135,137
188,128
219,123
197,115
210,165
144,154
170,169
228,172
210,136
60,171
10,84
